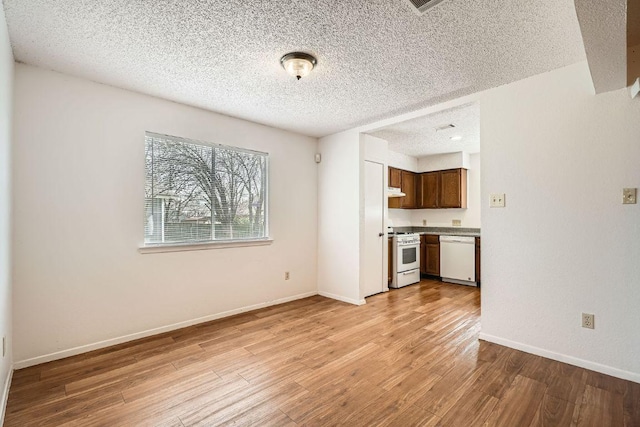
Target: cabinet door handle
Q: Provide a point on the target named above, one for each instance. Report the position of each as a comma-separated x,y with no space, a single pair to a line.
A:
380,234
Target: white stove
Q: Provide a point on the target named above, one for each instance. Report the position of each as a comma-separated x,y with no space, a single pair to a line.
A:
406,260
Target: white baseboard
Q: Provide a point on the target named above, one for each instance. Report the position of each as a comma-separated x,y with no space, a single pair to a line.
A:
343,299
5,395
593,366
119,340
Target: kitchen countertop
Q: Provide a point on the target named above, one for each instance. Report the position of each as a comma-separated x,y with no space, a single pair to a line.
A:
439,231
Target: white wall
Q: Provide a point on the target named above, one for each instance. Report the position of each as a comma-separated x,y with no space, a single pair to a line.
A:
6,89
339,217
402,161
438,162
564,244
78,183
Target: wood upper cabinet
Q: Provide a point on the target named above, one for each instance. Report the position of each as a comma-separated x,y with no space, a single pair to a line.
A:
430,254
409,188
453,188
406,181
395,177
429,190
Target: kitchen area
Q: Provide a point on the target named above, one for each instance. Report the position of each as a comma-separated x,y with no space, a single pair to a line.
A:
433,215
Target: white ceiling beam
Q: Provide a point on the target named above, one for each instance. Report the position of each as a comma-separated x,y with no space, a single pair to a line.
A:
604,31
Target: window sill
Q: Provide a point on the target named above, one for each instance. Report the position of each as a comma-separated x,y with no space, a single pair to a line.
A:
182,247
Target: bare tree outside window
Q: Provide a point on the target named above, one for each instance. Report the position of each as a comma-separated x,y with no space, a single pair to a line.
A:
196,192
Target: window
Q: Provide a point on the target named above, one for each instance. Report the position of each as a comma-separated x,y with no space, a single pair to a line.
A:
197,192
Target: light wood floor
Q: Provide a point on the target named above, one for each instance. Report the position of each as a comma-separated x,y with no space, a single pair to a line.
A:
408,357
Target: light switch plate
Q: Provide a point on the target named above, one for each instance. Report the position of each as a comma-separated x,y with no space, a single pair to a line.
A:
497,200
629,196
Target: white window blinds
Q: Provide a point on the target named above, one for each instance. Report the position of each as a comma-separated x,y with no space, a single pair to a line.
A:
197,192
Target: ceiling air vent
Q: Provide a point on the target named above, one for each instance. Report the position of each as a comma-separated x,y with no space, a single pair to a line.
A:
421,6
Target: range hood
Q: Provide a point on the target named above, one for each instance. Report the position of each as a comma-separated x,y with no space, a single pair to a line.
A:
394,192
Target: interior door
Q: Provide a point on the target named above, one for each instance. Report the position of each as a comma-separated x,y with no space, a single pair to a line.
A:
374,277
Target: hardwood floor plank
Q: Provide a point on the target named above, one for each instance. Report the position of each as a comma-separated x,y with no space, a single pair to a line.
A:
472,409
415,417
155,408
396,400
161,384
333,399
631,405
498,378
221,411
553,412
409,357
601,406
446,392
520,403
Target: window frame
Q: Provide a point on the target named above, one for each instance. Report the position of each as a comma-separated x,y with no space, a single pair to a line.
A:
161,247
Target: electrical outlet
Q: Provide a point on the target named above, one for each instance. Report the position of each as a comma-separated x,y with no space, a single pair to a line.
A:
456,222
286,275
497,200
588,321
424,222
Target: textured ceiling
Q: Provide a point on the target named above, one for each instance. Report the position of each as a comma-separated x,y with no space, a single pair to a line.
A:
418,137
376,58
604,31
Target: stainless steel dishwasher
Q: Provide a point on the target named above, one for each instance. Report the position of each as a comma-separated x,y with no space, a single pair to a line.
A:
458,260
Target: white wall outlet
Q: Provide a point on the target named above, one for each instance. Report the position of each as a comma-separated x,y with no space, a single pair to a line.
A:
286,275
424,222
497,200
588,320
629,196
456,222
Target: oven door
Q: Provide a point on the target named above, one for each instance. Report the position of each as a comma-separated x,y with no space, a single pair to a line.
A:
408,257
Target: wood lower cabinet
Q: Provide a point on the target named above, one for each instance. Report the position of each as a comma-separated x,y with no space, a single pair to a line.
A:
430,254
478,260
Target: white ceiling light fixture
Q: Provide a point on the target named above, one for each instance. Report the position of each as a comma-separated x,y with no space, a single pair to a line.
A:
298,64
456,138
